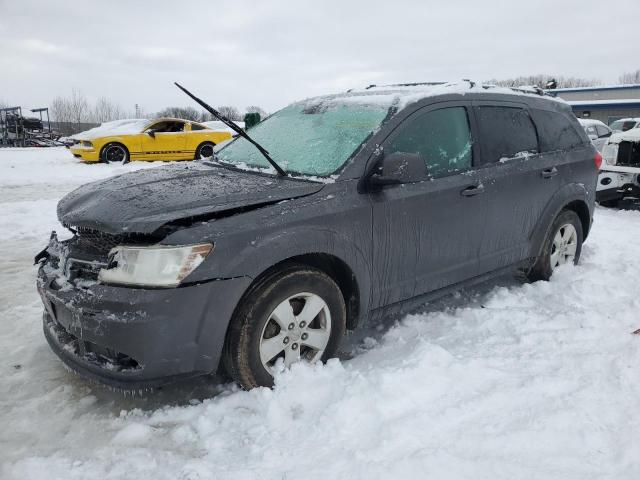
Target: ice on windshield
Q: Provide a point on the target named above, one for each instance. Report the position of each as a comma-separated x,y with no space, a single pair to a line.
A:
309,138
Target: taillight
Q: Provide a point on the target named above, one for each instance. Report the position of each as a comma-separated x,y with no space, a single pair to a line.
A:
597,159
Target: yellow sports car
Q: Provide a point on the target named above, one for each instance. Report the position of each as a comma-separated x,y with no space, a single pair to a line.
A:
160,139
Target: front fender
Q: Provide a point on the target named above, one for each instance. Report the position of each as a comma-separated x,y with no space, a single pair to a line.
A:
260,255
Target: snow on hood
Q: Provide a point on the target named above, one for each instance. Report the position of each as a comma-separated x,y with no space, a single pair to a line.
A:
144,200
399,96
632,135
129,126
219,126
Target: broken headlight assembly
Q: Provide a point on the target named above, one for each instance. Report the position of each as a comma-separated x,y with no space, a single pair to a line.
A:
610,153
153,266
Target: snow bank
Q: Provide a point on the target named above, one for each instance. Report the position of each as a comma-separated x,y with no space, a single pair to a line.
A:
502,381
130,126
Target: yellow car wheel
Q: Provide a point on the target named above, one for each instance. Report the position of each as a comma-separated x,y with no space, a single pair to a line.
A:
205,150
114,152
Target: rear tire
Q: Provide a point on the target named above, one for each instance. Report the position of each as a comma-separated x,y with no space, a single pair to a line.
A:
205,150
114,152
276,321
562,245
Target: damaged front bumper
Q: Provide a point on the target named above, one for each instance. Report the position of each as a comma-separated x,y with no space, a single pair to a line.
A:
133,337
616,183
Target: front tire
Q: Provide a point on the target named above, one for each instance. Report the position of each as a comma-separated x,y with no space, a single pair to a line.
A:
562,245
114,152
205,150
297,313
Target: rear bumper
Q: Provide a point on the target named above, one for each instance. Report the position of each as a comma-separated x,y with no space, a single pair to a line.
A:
135,338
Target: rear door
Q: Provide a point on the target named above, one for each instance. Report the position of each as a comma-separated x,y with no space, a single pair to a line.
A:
427,234
518,179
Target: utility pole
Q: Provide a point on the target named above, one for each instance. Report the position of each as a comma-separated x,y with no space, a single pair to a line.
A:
137,111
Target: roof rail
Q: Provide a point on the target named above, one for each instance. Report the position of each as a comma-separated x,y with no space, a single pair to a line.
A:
415,84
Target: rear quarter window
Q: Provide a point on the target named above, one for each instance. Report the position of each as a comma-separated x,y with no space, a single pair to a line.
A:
557,131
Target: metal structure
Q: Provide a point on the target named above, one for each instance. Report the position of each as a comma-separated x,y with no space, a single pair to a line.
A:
16,130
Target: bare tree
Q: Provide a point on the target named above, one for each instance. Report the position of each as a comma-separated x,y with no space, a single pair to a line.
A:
60,110
104,111
630,77
541,80
78,106
230,112
186,113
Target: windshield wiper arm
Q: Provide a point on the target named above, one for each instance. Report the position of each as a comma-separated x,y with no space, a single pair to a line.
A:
236,128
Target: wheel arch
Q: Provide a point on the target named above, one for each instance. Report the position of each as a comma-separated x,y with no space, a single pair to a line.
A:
573,197
336,268
204,142
116,142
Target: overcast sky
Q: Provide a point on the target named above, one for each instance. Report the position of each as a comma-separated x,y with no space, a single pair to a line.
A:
270,53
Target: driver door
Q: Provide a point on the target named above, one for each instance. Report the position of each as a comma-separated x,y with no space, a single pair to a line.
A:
165,140
427,234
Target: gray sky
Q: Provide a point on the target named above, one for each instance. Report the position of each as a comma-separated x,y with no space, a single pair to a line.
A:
270,53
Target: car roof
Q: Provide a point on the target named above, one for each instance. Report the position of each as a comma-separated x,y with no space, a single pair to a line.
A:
401,95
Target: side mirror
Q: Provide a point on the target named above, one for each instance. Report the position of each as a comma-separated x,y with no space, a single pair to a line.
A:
151,133
399,168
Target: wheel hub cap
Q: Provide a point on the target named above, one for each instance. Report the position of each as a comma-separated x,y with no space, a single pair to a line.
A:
299,328
564,246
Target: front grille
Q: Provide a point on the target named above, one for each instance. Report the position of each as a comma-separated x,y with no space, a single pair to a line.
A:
88,251
629,154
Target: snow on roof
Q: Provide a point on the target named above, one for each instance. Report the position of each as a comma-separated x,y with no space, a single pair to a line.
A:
400,96
632,135
129,126
589,121
629,119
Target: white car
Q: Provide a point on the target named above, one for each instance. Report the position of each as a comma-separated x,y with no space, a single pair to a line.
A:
597,131
625,124
620,172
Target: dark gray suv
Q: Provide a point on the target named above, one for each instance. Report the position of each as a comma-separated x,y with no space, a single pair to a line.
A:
390,196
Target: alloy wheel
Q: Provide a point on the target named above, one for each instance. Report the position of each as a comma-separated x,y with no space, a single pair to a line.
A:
115,153
299,328
564,246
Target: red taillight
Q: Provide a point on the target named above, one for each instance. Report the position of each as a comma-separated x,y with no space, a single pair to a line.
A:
597,159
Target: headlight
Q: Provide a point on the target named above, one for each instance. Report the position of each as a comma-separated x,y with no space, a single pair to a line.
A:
155,266
87,144
610,153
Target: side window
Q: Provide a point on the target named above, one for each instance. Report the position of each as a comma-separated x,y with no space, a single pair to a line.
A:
506,132
591,130
441,137
556,131
603,131
196,126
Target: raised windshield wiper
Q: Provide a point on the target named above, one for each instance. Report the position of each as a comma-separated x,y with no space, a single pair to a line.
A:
233,126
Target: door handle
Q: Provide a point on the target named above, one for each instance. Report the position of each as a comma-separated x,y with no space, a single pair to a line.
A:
472,190
549,172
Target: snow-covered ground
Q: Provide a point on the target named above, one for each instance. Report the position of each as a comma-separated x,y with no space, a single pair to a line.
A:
505,381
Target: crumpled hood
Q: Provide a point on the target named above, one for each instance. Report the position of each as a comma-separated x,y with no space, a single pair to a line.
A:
143,201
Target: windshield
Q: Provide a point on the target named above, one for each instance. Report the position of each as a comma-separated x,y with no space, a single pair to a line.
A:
314,138
622,125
